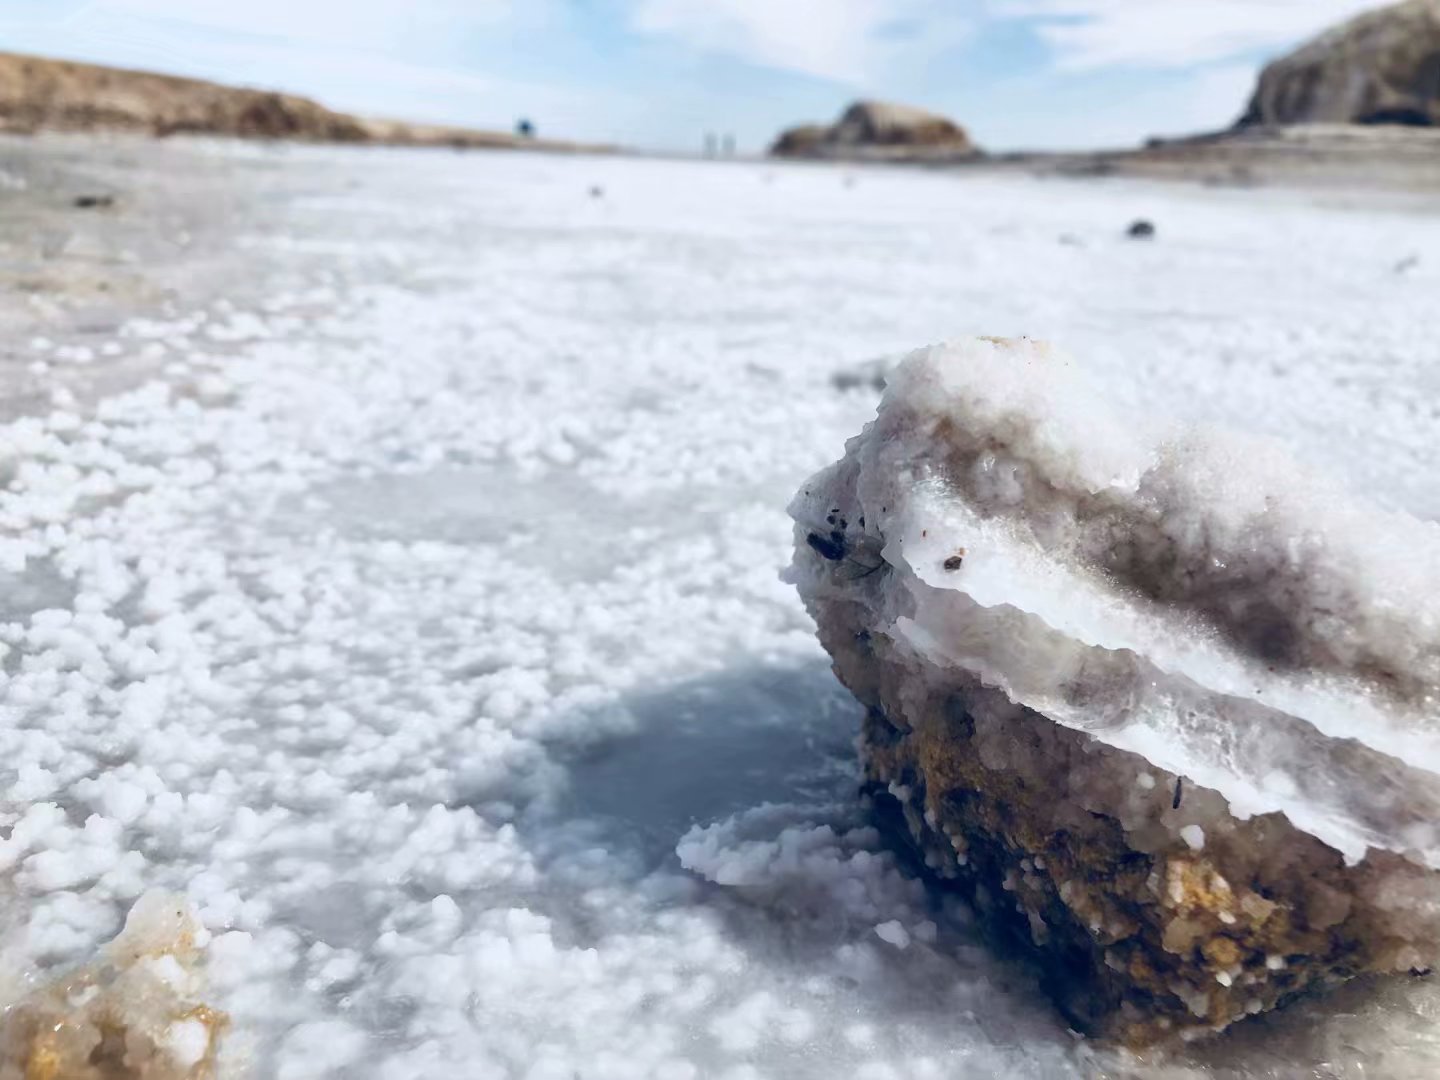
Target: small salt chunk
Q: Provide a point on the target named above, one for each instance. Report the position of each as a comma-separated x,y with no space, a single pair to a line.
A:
1194,836
167,969
1144,781
893,933
187,1041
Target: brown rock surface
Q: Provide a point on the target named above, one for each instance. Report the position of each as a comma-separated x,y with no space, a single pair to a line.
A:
880,123
879,130
1380,67
800,141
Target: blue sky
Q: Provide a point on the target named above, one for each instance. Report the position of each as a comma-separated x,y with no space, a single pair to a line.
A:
660,73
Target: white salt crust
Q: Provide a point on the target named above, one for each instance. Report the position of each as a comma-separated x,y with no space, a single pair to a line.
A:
1191,597
469,481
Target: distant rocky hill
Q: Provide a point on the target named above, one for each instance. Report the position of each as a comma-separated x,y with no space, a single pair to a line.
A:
878,130
1380,67
40,94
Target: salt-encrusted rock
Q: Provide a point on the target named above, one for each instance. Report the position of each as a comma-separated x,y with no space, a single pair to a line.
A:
1168,707
135,1012
878,129
1380,67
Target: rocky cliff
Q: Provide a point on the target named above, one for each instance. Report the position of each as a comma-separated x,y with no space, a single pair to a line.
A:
1381,67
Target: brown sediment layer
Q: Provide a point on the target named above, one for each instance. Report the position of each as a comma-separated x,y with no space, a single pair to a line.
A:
1078,850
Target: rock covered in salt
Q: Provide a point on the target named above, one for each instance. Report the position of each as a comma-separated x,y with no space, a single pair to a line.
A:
135,1011
1046,604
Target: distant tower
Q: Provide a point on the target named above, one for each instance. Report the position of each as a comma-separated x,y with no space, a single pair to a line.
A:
710,144
727,147
525,129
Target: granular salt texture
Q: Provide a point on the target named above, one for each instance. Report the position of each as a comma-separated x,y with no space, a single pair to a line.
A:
134,1014
1168,706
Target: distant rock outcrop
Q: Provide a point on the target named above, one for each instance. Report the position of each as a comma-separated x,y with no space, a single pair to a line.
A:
40,94
1382,67
801,141
879,130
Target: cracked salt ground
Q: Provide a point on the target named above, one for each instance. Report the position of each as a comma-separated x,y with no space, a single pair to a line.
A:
431,641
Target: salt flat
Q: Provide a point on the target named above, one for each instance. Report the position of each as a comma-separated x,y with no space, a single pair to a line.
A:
417,612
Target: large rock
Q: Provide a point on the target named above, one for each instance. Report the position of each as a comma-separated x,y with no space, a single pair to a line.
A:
880,123
1166,709
878,129
1381,67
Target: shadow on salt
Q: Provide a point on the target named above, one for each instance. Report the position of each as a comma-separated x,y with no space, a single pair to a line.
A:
709,748
736,797
750,753
546,521
39,587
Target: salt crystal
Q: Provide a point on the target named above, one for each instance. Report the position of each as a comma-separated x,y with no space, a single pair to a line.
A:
894,934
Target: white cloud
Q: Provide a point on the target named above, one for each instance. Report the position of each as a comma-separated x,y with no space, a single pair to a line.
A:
1089,34
855,42
332,22
1023,115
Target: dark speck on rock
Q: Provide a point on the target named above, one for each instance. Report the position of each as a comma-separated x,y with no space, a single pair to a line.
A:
1141,230
93,202
831,548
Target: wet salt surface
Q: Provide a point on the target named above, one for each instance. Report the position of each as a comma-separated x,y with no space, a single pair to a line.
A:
425,628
